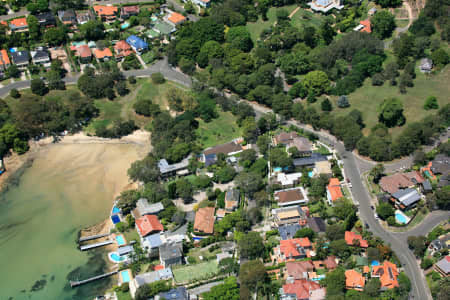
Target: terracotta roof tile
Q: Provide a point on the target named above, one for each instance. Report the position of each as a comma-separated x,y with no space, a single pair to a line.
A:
104,10
4,59
298,269
300,288
20,22
367,26
102,53
334,188
204,220
394,182
387,272
350,236
176,18
354,280
148,224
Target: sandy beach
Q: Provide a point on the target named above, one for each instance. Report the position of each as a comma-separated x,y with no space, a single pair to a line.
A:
75,146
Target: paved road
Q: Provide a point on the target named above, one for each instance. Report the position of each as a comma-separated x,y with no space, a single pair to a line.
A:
432,220
396,241
204,288
161,66
21,13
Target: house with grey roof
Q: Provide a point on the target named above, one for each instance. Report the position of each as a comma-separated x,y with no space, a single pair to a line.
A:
21,59
406,198
443,266
149,277
309,161
40,56
125,250
171,254
168,170
426,65
143,207
151,243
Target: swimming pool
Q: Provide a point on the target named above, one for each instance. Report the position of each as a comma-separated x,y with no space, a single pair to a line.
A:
196,238
115,219
116,258
124,25
120,240
310,174
12,50
401,218
318,278
115,210
125,276
375,263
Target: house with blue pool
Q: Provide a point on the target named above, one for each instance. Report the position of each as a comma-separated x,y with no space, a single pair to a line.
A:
137,44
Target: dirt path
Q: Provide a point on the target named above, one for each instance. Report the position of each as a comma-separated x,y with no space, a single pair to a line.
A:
293,12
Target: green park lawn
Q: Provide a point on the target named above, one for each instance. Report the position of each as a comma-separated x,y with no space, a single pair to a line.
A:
218,131
368,98
195,272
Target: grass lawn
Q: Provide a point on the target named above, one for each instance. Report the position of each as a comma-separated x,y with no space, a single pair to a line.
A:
218,131
123,296
401,23
131,235
196,253
306,18
196,272
255,28
368,98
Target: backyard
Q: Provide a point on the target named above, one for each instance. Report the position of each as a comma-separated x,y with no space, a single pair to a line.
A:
200,271
219,131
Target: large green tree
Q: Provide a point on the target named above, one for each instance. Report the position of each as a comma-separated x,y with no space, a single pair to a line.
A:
383,24
391,112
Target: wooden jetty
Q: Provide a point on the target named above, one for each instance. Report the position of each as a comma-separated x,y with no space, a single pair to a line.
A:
81,282
92,237
100,244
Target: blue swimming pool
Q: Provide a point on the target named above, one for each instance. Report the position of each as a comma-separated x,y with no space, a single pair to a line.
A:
318,278
125,276
124,25
115,210
310,174
12,50
120,240
400,218
195,238
375,263
113,256
115,219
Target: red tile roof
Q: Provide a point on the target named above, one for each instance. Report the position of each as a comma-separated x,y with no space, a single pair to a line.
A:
4,59
350,236
83,51
334,188
290,247
204,220
330,262
158,267
122,48
102,53
148,224
387,272
20,22
176,18
367,26
297,269
394,182
354,280
104,10
300,288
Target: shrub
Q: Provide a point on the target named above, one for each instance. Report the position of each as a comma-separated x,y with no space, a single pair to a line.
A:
121,227
431,103
426,263
391,221
14,93
158,78
378,79
191,260
343,102
132,79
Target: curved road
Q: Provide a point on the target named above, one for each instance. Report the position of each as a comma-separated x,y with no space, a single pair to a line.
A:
397,241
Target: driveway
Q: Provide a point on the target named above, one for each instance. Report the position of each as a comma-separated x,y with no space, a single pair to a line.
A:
203,288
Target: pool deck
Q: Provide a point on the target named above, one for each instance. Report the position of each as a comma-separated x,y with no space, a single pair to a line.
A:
123,237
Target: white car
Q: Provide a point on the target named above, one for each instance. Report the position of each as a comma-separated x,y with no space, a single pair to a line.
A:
376,216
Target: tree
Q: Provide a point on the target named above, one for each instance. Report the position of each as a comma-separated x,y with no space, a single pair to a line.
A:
343,208
55,81
326,105
305,232
335,232
145,170
389,3
417,244
38,87
93,30
184,189
33,28
335,282
252,274
377,172
249,182
327,31
225,174
251,245
247,157
227,290
158,78
372,287
431,103
440,57
147,291
240,38
442,197
55,36
316,82
383,24
279,158
187,66
13,71
14,93
340,248
343,102
385,210
391,112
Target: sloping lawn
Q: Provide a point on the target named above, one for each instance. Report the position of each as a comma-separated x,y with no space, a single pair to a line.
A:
196,272
218,131
368,98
